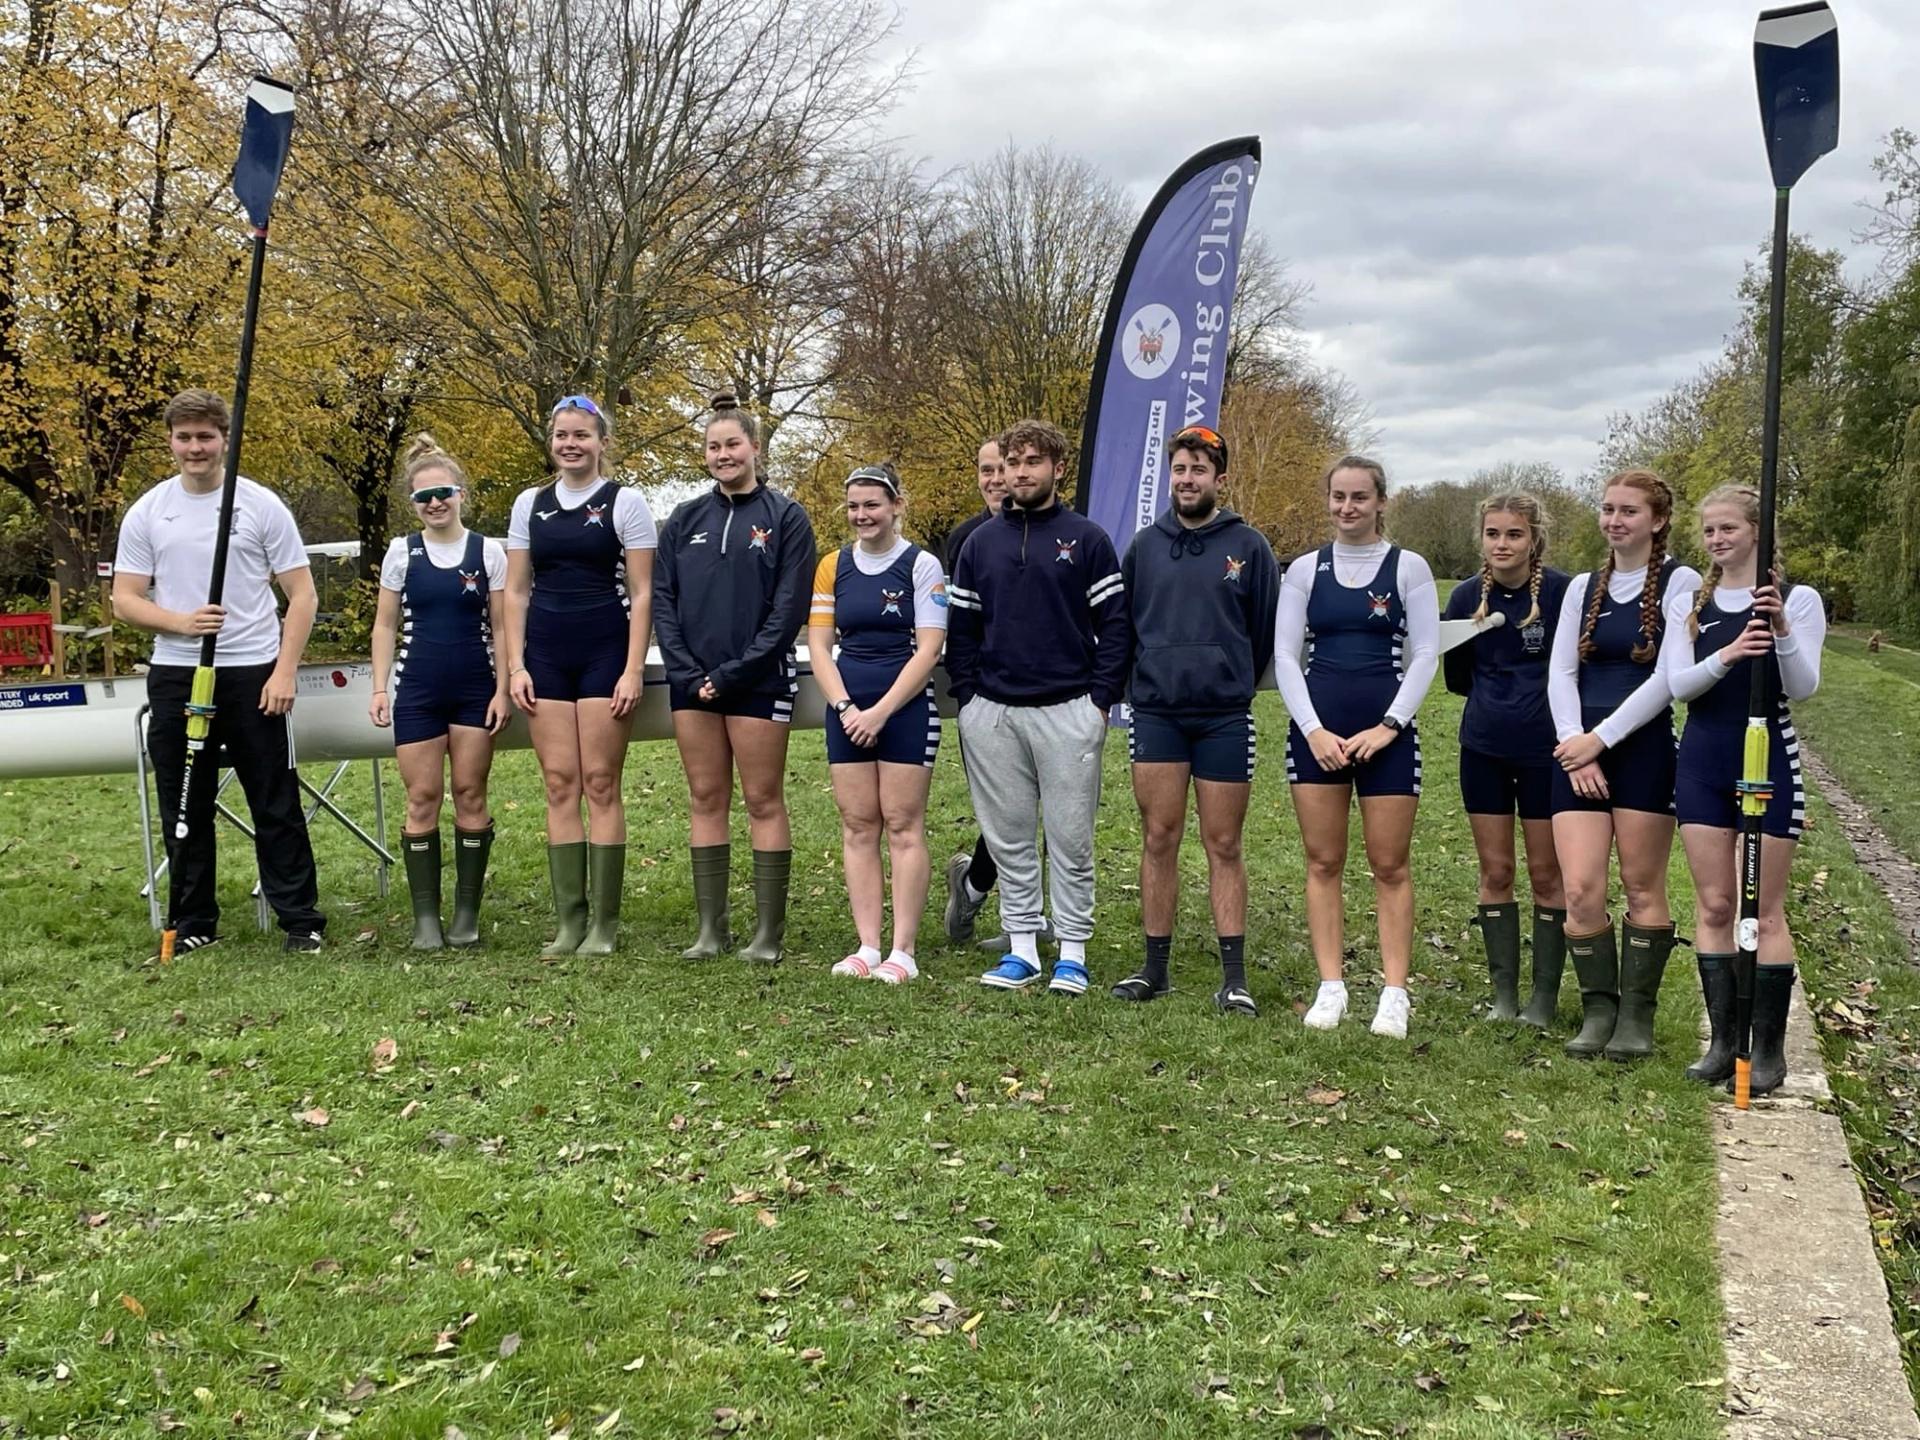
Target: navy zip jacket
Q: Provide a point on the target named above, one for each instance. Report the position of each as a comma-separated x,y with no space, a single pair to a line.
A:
732,580
1503,672
1202,602
1038,611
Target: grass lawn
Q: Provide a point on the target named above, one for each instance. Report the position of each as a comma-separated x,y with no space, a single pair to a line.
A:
639,1197
1865,722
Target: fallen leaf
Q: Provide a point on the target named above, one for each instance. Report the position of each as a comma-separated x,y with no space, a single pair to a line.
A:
813,1355
508,1344
315,1117
385,1051
713,1241
605,1427
133,1307
634,1364
361,1389
410,1109
1322,1095
766,1218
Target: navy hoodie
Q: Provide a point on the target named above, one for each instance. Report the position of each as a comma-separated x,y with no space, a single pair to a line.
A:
1203,602
1503,672
732,580
1038,611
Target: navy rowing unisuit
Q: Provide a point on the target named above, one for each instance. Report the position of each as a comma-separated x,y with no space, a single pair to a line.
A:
1506,729
443,671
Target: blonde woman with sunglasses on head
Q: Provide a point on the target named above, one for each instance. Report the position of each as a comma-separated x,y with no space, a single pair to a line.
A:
579,606
438,682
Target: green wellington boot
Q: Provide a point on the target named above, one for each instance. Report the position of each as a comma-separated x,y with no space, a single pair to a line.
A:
712,865
423,881
1549,959
1772,997
1716,986
567,869
1596,960
470,851
1500,931
771,871
1643,965
607,867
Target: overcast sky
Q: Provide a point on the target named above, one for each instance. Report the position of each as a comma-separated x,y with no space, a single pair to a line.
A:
1517,216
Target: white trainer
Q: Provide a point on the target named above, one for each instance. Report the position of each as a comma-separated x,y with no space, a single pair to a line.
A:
1391,1018
1328,1006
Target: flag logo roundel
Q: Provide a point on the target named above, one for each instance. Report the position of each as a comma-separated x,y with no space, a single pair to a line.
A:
1151,341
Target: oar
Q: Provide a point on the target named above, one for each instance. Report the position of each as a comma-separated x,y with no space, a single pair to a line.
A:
1796,63
1455,633
264,136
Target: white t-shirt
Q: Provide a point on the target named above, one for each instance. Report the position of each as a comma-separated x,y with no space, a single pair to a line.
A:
929,583
168,534
632,518
443,555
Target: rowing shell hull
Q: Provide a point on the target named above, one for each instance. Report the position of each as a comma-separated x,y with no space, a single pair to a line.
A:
87,727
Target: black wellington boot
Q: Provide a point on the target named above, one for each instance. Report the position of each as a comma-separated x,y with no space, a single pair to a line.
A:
1596,960
423,881
1500,930
1643,965
1549,960
470,851
1772,995
1716,987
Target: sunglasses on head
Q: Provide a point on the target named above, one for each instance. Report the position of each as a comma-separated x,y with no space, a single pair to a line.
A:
1202,434
574,402
435,492
874,475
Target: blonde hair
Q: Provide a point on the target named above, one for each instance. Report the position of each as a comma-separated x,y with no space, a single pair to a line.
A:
425,454
1660,499
1358,462
1744,498
1530,510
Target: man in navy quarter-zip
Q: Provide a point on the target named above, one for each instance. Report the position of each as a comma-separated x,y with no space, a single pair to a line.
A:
1201,587
1037,652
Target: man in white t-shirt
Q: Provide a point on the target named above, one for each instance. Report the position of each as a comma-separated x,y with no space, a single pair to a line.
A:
161,574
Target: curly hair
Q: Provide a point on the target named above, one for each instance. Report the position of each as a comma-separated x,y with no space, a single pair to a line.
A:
1042,435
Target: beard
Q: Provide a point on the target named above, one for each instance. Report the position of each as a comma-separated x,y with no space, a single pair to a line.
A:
1196,509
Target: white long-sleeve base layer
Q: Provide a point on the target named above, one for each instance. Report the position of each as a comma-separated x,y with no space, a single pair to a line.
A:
1563,667
1355,566
1798,650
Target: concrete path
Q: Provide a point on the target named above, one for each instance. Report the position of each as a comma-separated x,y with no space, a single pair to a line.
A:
1811,1352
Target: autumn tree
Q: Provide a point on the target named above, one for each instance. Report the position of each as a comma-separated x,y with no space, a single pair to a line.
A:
119,245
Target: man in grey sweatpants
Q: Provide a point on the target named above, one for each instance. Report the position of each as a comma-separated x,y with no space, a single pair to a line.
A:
1038,647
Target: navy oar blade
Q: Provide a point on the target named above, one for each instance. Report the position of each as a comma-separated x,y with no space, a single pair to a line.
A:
1796,62
264,137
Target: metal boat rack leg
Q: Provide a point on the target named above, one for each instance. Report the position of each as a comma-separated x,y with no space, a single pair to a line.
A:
156,863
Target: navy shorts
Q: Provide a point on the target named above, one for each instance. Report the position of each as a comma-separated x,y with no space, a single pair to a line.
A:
745,704
1490,785
1707,774
579,655
1394,771
1639,773
1214,747
429,716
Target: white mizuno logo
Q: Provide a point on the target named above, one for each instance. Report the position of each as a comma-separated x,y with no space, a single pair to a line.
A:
1603,615
699,538
546,514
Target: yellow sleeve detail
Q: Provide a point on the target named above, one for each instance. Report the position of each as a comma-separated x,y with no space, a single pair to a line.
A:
824,574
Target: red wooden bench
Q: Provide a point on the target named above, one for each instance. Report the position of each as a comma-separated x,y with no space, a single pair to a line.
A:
26,642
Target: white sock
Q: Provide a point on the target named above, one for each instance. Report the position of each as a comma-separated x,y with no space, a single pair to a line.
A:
974,897
1074,951
1021,946
904,961
869,953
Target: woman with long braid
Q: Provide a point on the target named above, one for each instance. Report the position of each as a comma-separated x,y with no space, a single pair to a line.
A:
1730,626
1613,788
1506,746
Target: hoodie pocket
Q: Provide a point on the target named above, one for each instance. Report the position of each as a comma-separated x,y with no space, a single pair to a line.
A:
1181,677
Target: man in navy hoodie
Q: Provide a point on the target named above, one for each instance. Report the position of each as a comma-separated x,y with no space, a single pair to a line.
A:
1202,587
1037,650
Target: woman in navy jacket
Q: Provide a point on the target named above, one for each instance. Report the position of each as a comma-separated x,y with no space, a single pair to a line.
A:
730,594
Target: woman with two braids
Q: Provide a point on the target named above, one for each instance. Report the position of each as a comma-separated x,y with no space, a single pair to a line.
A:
1613,787
1506,746
1730,625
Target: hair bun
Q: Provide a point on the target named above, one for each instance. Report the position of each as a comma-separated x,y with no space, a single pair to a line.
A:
423,445
723,402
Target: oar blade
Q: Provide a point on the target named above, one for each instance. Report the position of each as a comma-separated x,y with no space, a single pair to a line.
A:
265,135
1796,64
